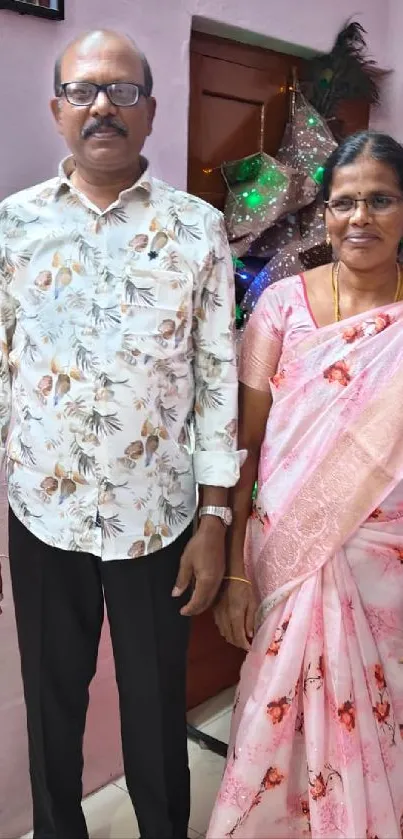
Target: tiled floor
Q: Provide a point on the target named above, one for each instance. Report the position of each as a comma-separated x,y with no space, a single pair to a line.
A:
109,812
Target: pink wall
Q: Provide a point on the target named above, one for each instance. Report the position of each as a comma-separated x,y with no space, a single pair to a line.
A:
30,147
30,150
389,115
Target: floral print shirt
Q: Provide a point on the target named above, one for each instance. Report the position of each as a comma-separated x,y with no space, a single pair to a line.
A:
118,384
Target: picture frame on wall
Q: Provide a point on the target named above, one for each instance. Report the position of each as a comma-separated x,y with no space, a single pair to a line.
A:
50,9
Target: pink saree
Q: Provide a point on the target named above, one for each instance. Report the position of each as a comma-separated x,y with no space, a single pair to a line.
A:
316,747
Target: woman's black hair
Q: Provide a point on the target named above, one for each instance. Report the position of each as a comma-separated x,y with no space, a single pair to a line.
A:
379,146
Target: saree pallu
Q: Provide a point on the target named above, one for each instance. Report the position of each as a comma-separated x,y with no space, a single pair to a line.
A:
316,747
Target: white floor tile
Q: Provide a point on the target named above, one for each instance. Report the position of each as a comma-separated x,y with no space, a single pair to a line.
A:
220,727
121,783
212,709
109,814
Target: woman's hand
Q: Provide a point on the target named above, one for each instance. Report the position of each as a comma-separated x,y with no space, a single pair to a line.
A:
235,613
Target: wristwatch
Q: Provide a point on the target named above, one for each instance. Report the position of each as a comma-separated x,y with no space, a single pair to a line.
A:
223,513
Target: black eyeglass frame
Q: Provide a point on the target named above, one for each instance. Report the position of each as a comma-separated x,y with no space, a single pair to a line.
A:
102,88
394,198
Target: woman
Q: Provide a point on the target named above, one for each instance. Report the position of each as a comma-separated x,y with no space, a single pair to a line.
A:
316,744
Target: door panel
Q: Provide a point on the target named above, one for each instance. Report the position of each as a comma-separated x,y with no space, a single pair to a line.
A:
238,105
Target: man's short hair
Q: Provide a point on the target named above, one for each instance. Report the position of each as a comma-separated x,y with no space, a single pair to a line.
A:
148,76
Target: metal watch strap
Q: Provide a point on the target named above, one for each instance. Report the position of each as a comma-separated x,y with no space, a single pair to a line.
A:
223,513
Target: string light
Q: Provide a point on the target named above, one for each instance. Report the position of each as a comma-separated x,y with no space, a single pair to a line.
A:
239,316
253,199
318,175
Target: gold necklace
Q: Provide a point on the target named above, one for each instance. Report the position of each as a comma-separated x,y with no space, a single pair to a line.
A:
336,289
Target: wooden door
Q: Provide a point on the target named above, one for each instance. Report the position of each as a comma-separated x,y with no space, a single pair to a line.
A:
239,103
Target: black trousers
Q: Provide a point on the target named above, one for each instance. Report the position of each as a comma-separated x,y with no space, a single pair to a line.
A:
59,604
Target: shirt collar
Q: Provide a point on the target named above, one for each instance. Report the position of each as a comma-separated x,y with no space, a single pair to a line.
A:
67,166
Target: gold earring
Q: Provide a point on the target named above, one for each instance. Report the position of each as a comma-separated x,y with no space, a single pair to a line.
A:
328,238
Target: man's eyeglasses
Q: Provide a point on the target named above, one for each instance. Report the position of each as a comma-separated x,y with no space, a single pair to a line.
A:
120,94
377,204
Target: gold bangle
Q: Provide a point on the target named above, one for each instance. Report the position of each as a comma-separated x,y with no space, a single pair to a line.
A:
238,580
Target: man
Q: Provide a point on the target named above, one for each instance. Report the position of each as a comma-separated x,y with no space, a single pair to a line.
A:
118,396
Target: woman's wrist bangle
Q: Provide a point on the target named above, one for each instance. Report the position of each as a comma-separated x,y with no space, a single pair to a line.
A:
238,580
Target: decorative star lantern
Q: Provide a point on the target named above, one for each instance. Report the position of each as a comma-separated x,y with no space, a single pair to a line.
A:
260,191
307,141
306,145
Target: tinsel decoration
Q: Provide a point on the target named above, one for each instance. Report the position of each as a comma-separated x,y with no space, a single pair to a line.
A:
346,73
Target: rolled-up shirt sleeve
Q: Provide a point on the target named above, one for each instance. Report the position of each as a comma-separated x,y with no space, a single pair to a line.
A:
216,460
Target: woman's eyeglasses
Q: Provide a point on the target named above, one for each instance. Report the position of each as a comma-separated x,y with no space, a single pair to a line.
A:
376,204
120,94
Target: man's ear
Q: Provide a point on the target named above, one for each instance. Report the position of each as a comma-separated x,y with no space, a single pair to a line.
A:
151,107
56,108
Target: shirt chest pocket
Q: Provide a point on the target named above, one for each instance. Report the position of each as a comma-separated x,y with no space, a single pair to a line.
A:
156,312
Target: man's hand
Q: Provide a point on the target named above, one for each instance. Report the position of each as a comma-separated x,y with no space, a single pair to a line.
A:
203,561
235,614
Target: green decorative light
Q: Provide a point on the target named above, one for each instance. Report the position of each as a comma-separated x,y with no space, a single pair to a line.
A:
272,177
318,174
254,199
239,316
246,170
312,120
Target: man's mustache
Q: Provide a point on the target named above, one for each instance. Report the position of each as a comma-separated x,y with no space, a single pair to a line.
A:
103,122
